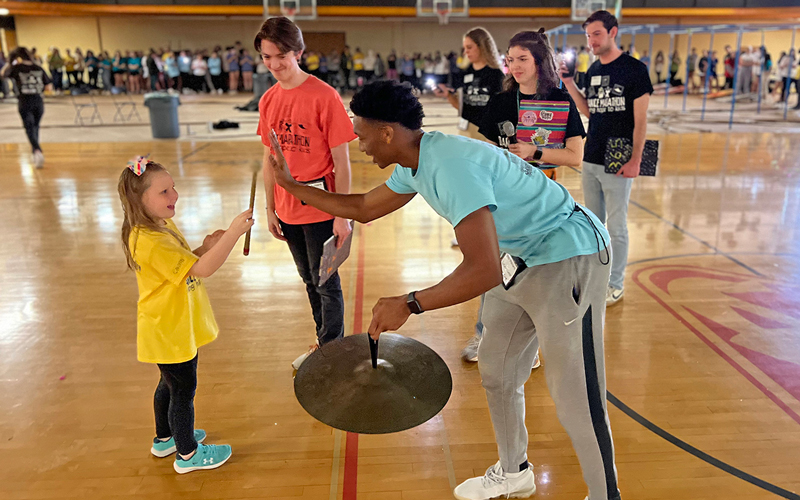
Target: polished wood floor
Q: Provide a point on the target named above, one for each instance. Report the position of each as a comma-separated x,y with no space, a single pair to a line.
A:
704,345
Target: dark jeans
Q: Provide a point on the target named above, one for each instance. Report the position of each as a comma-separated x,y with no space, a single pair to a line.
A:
93,77
31,109
58,79
327,303
174,404
786,86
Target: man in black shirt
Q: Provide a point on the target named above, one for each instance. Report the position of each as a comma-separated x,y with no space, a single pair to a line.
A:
31,80
618,92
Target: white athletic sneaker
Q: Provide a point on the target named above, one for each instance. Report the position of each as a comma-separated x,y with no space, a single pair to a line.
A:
38,159
536,362
470,352
300,359
496,483
613,295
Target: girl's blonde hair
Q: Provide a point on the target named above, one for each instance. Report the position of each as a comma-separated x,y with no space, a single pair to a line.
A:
131,188
486,45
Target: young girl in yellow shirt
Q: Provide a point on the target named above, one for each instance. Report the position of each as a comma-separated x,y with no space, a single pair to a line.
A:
174,314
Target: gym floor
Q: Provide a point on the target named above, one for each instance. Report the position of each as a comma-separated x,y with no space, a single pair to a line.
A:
703,356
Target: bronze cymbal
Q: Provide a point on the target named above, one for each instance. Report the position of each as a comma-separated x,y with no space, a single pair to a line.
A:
338,385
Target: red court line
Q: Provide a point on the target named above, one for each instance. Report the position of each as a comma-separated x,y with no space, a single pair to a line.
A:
775,399
350,487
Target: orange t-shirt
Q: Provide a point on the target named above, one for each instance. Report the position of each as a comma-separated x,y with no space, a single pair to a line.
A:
310,120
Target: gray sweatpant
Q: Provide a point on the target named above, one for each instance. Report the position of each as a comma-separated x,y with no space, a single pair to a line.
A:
560,307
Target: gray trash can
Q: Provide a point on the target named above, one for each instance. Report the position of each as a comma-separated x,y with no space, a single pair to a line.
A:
261,83
163,114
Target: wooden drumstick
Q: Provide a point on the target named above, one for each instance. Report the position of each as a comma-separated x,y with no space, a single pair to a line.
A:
256,166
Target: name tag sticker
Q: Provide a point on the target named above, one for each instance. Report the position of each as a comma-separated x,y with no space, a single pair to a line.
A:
596,80
469,78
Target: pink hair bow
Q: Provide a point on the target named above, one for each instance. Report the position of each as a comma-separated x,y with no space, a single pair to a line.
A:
138,165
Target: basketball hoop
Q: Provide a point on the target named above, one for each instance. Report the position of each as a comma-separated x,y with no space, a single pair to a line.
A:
442,14
289,12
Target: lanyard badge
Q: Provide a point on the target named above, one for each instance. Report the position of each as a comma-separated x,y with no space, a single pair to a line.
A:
512,267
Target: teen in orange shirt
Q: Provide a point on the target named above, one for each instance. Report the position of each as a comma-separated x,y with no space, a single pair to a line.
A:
314,131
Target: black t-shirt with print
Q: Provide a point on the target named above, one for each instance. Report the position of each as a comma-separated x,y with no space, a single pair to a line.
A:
504,107
610,91
30,79
479,87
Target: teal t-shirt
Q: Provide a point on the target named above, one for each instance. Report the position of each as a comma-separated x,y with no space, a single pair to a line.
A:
535,217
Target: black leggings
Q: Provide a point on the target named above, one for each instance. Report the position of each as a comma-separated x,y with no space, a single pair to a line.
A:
31,109
174,404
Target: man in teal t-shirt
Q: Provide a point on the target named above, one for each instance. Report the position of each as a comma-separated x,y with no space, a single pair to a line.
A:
547,287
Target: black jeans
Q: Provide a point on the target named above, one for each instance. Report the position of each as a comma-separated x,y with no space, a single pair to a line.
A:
93,77
327,303
174,404
58,79
31,109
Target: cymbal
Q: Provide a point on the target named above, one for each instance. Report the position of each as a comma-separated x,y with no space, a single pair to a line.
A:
338,385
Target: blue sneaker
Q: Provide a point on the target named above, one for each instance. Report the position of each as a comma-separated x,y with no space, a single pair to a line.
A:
208,456
166,448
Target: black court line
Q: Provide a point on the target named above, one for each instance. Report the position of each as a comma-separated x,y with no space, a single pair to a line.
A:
690,235
744,476
700,240
194,151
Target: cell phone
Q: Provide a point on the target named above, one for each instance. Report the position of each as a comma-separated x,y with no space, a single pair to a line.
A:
569,59
431,83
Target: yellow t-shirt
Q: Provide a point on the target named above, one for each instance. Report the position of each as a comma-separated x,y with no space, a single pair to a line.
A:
312,62
69,63
358,61
174,314
583,63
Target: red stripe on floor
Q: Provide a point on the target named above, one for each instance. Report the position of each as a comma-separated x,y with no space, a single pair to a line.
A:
350,486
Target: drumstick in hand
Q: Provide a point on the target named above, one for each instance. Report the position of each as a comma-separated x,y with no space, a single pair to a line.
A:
256,166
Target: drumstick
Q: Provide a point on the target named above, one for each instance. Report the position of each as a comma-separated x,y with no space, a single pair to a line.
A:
373,351
256,166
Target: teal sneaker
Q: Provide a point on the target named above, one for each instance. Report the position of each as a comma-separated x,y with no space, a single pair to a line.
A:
208,456
166,448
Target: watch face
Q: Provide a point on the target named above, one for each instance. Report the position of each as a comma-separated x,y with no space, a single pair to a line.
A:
412,303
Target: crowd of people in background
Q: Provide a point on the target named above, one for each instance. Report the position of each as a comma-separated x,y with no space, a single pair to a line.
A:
232,69
217,70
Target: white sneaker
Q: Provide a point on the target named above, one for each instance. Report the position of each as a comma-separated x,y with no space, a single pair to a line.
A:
38,159
536,362
470,352
613,295
300,359
496,483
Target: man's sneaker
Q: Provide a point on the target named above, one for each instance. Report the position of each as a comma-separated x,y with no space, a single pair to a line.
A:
613,295
470,353
536,362
496,483
300,359
166,448
208,456
38,159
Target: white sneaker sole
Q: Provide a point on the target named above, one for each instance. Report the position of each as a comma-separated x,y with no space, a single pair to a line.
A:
518,494
186,470
169,451
611,302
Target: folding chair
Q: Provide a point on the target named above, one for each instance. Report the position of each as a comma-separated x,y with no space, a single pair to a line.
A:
120,114
81,106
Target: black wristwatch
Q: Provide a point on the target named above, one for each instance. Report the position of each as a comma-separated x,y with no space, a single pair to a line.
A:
537,155
413,305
